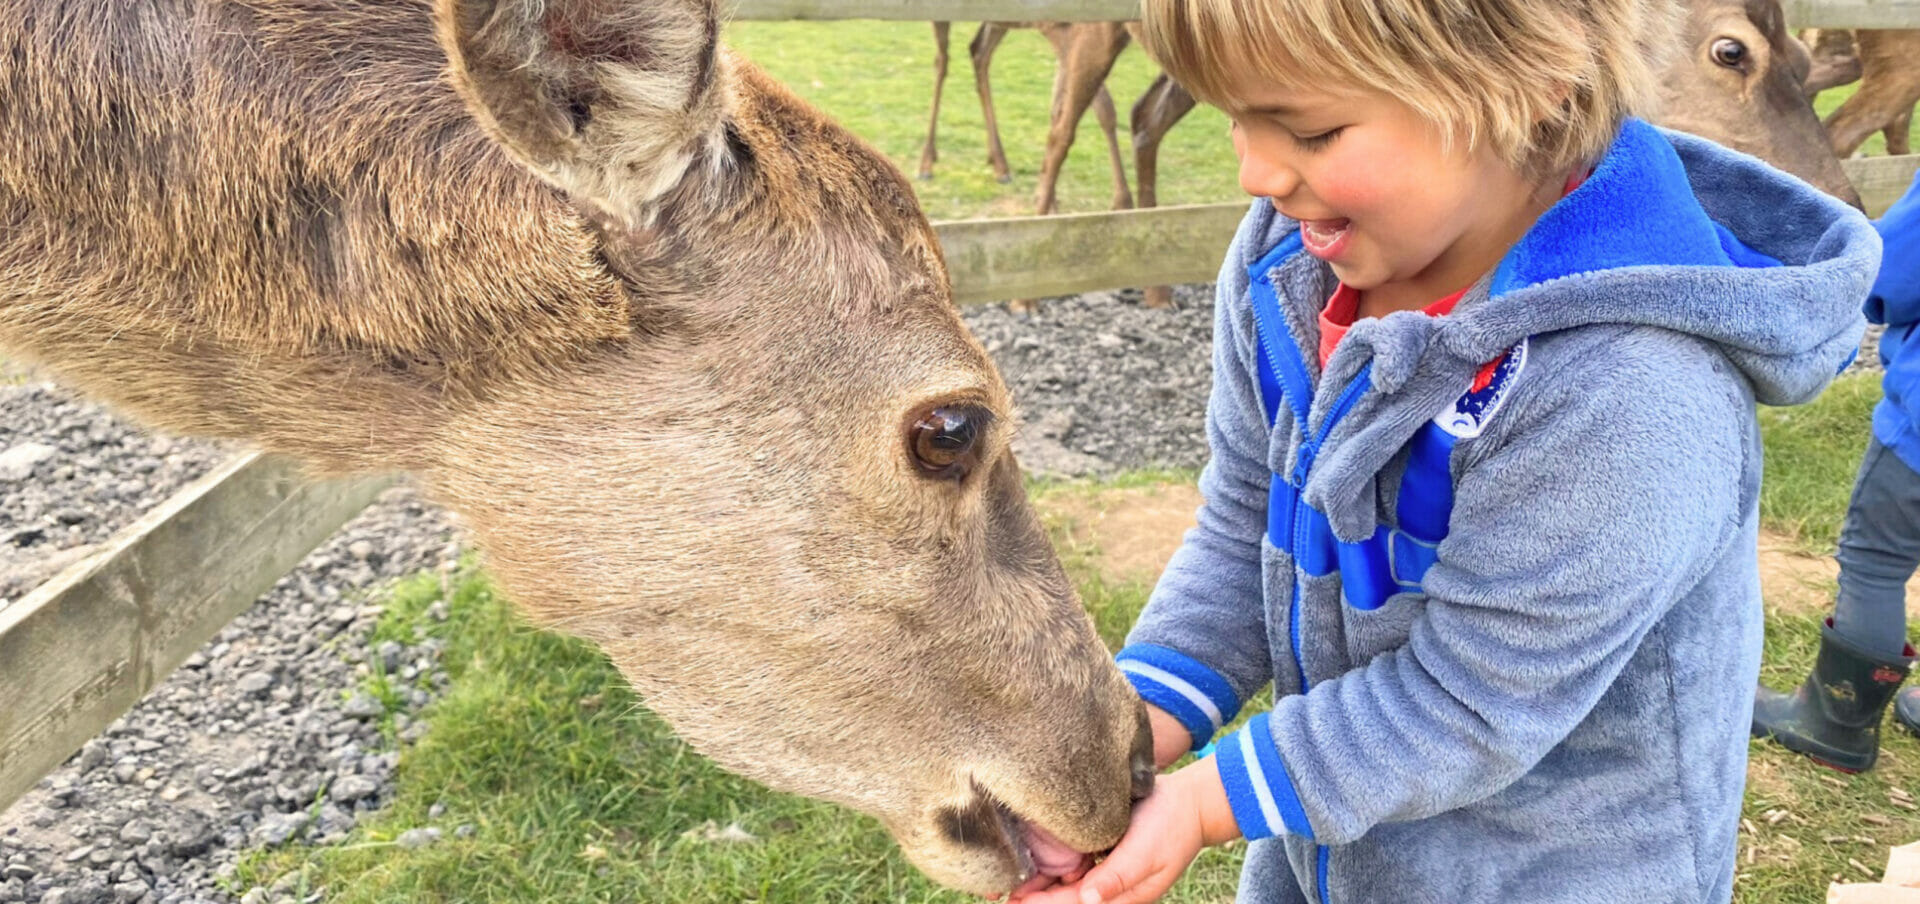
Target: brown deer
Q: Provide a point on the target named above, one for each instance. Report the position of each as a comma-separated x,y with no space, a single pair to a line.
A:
1887,64
1085,53
1739,79
680,350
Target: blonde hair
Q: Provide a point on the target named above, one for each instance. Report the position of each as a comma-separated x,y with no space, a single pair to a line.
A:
1545,83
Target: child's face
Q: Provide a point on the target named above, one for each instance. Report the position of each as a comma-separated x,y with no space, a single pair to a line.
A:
1376,195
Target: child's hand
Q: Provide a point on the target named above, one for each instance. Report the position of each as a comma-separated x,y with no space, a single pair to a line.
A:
1171,740
1187,811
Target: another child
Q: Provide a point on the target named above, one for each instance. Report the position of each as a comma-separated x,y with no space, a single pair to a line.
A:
1834,715
1482,504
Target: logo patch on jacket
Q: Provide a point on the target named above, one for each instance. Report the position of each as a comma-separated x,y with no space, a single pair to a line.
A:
1472,412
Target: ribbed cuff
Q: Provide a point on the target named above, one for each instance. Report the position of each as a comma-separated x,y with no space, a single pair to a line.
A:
1258,788
1191,692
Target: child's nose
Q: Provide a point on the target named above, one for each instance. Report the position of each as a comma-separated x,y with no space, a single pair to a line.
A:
1265,176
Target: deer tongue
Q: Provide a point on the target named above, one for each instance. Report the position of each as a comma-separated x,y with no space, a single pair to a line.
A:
1051,856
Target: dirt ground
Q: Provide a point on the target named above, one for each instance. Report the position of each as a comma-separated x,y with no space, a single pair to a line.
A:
1135,531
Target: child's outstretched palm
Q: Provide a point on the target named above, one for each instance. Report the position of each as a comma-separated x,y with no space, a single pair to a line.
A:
1187,811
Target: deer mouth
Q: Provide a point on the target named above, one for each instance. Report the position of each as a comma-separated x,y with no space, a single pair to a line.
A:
1039,858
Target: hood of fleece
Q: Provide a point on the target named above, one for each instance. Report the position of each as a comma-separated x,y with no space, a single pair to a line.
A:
1669,231
1676,232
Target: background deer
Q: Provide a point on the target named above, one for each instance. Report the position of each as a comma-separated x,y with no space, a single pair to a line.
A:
1886,63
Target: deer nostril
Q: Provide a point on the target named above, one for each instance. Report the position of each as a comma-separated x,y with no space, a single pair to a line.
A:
1142,780
1141,758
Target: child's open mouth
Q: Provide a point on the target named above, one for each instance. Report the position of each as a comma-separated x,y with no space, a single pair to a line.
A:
1325,239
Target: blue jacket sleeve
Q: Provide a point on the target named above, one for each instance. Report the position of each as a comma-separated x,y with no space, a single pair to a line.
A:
1895,299
1199,649
1569,543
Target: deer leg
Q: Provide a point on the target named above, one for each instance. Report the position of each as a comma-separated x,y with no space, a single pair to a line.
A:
1163,104
1859,117
1834,61
985,41
1898,132
1087,52
1850,125
1110,125
931,152
1889,87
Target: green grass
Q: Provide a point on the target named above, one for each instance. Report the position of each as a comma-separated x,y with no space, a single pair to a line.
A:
876,78
577,794
1812,452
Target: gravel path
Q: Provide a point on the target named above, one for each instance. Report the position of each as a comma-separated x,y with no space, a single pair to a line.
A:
70,475
1104,383
235,748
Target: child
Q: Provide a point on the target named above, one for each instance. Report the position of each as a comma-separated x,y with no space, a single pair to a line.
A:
1834,716
1482,500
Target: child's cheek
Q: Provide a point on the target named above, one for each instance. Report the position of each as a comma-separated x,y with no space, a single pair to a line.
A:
1358,193
1363,180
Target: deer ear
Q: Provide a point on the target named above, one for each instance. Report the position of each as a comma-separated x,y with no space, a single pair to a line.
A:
613,101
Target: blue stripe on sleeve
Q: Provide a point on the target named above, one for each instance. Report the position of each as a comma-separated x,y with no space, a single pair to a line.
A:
1198,726
1285,798
1241,796
1198,677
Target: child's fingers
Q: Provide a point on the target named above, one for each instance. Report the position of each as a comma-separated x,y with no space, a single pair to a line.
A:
1058,894
1114,880
1147,889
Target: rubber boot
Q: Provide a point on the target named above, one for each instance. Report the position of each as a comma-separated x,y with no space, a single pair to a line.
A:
1834,717
1906,709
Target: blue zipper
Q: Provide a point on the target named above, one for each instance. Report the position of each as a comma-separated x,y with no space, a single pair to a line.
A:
1294,385
1349,397
1303,465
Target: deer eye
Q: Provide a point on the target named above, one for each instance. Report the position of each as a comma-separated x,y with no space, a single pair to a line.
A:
944,441
1729,52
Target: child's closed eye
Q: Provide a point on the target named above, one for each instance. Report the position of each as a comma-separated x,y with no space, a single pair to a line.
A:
1316,141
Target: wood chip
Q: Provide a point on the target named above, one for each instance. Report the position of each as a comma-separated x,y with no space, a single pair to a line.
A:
1791,841
1902,804
1837,839
1751,854
1832,781
1864,839
1875,819
1773,817
1747,824
1899,793
1864,870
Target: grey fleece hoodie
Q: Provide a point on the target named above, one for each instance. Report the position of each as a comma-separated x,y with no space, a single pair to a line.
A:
1545,697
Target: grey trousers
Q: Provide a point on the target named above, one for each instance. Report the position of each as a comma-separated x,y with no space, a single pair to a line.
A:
1879,551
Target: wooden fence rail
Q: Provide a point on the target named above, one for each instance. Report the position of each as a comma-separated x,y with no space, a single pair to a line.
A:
88,644
1800,13
1031,257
